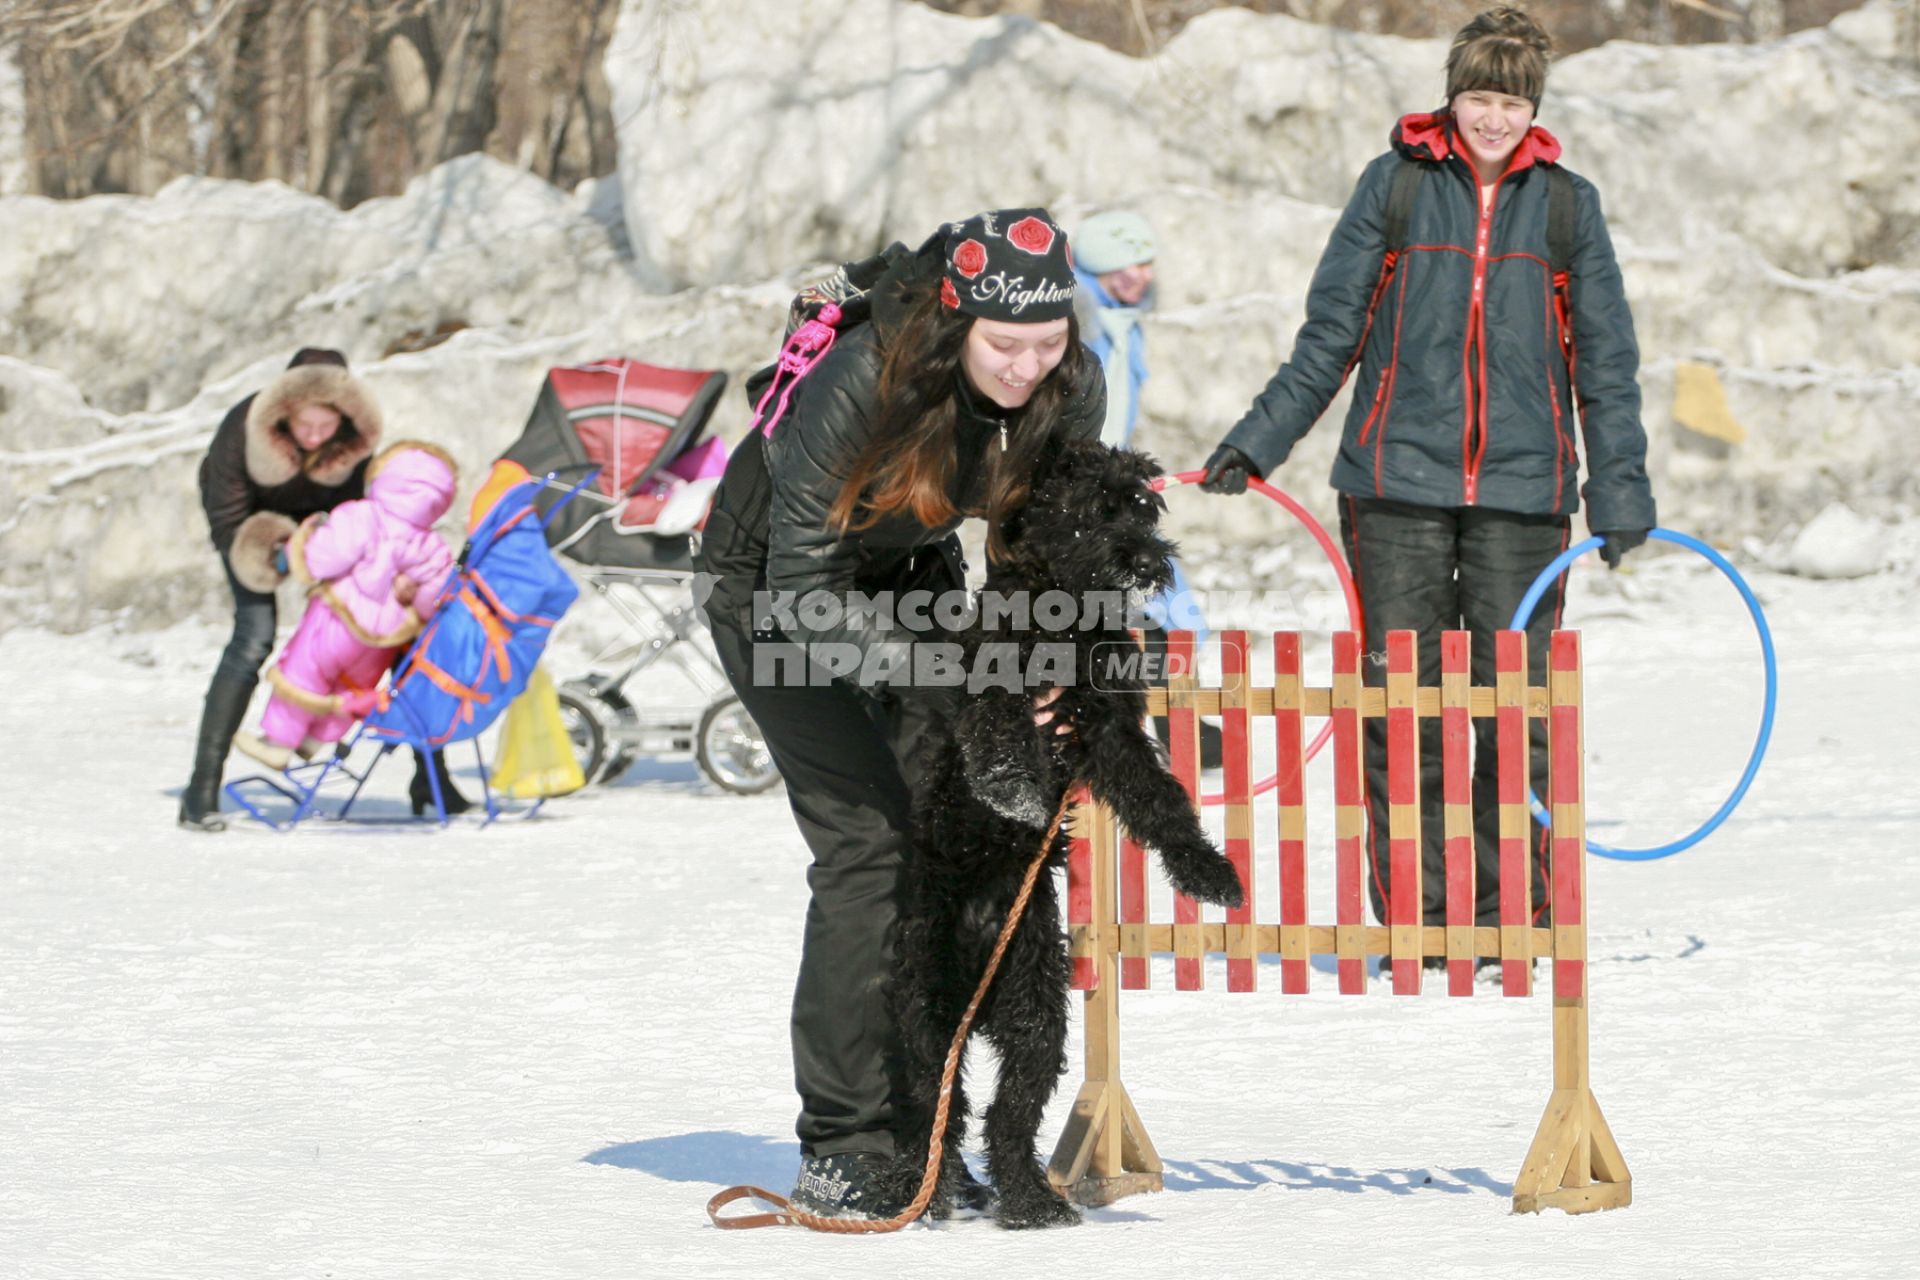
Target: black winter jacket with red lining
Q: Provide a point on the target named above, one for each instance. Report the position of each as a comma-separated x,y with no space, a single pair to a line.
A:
1464,397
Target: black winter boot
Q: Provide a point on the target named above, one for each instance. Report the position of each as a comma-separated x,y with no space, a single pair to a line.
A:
226,707
420,791
848,1184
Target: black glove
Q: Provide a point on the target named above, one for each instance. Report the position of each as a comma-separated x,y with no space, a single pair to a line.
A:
1227,471
1617,542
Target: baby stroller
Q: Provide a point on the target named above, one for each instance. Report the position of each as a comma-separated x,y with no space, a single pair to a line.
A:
631,536
472,658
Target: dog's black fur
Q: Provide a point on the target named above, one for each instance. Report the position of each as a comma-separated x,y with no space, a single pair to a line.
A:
993,785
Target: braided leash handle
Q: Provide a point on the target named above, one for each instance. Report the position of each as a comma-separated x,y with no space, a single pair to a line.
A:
785,1215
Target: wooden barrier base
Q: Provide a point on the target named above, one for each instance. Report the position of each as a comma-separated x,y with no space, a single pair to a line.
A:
1096,1193
1573,1164
1104,1152
1588,1199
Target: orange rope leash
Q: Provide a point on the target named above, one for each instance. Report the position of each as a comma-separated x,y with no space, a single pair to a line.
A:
785,1215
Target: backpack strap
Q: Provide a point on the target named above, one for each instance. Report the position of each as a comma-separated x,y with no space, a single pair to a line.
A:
816,317
1561,217
1400,198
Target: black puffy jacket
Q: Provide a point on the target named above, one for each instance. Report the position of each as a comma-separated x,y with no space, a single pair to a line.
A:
1464,395
768,526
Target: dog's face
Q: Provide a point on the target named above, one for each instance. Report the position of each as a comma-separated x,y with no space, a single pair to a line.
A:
1093,519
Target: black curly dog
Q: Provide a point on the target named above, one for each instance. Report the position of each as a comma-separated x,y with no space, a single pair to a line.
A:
993,786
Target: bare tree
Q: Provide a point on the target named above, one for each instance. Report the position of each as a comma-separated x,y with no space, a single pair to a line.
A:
345,98
350,98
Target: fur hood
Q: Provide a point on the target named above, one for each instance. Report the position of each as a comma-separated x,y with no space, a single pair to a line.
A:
274,458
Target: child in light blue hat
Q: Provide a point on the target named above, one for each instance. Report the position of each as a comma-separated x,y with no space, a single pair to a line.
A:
1113,260
1113,256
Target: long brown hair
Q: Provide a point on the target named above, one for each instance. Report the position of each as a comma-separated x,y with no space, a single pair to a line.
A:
909,463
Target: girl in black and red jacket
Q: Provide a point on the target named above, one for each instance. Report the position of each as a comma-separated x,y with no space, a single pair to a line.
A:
1458,470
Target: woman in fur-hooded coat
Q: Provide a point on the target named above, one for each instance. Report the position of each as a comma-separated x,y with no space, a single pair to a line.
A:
256,483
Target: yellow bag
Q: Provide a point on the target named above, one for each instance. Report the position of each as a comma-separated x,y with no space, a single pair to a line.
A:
534,757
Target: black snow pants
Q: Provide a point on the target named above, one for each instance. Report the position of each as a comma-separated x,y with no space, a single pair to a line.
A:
848,757
1435,569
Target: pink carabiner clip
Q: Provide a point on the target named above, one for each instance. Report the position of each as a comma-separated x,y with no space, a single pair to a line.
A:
802,351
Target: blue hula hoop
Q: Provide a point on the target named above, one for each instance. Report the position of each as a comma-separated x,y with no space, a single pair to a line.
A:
1705,829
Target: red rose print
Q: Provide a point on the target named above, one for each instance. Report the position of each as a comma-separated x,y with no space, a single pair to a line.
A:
948,297
970,259
1031,234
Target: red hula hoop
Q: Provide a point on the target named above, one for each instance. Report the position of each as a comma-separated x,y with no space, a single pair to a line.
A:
1331,550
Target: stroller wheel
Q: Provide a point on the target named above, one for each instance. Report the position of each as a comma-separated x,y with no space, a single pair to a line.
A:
618,747
732,751
584,734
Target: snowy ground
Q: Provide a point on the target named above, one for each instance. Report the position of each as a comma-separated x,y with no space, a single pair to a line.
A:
535,1050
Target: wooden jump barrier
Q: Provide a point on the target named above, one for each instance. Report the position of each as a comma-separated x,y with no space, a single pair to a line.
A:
1104,1152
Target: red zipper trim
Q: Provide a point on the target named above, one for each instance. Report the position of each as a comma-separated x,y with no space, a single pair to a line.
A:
1382,389
1555,338
1466,390
1569,348
1383,395
1373,411
1387,271
1476,432
1387,265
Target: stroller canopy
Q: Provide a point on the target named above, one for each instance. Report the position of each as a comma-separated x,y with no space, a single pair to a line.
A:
634,421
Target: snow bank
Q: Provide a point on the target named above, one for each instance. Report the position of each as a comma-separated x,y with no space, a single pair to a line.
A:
132,325
757,140
754,136
1838,543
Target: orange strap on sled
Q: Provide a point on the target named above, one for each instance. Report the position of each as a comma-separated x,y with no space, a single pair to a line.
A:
495,631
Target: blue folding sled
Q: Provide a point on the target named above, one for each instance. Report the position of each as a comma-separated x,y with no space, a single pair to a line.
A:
470,661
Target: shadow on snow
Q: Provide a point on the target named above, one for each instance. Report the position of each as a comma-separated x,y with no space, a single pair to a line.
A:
716,1156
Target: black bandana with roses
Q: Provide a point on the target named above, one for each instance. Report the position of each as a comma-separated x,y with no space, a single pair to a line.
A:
1011,264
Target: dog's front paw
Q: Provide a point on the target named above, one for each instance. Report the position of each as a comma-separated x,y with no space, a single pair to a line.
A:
1003,771
1007,785
1205,876
1016,799
958,1191
1032,1208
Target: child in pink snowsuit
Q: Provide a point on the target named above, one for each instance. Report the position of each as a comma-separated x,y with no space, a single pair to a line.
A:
376,568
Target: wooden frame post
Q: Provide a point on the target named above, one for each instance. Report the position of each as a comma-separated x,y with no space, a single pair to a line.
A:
1104,1152
1574,1164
